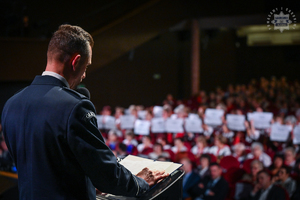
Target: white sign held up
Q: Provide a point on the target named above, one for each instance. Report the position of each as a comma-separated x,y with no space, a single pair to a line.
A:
142,127
158,125
296,139
174,125
261,120
213,117
236,122
127,121
279,132
193,125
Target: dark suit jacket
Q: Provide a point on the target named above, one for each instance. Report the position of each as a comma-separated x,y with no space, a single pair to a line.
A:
192,180
220,189
275,193
51,132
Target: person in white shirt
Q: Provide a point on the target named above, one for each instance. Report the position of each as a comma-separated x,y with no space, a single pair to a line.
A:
146,143
179,146
129,139
257,153
239,151
290,157
220,149
200,147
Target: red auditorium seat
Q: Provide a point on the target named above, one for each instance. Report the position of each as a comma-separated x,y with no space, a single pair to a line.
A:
232,176
147,150
228,162
213,158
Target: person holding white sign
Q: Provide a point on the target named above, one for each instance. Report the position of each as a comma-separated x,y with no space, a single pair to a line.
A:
227,133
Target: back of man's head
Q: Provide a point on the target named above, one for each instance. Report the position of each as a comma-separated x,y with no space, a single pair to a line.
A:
67,41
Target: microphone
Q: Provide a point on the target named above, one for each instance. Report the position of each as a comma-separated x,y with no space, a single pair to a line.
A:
84,91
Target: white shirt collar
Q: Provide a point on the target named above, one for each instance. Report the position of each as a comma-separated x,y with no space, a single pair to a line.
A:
56,75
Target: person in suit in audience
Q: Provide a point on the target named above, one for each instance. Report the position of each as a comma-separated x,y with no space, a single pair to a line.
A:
190,178
265,190
283,178
214,187
203,168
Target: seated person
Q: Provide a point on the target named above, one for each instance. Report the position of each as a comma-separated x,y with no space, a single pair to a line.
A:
264,189
200,147
179,146
290,157
112,140
256,166
146,146
278,161
190,178
227,133
220,149
203,168
239,152
130,139
215,187
257,152
158,152
285,180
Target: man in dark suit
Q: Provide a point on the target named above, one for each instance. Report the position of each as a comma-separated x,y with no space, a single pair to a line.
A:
265,190
190,178
51,131
214,187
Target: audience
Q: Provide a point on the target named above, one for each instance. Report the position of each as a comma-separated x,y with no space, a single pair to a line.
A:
190,178
265,190
285,180
256,166
198,150
215,187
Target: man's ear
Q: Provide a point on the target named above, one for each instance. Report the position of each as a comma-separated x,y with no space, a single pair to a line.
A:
75,61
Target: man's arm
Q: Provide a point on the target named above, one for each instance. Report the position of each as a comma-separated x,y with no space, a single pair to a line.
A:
95,158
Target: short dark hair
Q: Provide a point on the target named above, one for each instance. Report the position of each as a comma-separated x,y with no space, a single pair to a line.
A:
206,156
122,147
264,171
215,164
288,169
67,41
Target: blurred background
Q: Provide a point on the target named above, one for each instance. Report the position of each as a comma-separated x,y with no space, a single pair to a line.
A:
143,49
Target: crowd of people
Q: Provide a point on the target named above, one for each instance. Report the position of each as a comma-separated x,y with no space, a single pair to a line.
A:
220,163
247,164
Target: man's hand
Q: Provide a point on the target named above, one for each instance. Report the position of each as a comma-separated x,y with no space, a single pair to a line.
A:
152,176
